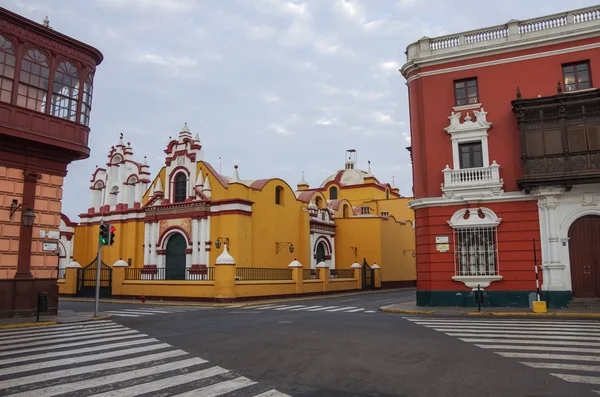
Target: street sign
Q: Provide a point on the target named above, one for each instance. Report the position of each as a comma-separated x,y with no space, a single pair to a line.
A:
442,240
49,246
442,247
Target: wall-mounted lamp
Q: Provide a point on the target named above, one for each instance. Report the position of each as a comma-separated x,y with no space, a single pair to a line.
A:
281,245
408,250
220,240
14,207
28,217
355,250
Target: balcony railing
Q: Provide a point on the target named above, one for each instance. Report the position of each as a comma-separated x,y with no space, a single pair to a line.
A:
483,179
154,273
513,31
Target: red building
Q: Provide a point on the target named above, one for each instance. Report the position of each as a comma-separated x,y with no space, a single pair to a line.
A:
46,81
505,129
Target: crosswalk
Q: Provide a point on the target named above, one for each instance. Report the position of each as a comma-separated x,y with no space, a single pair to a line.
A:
569,350
308,308
140,311
103,358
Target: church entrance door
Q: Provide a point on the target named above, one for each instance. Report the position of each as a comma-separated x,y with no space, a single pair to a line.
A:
320,252
175,266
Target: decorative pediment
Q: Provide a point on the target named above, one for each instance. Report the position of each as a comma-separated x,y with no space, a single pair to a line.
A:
468,124
474,217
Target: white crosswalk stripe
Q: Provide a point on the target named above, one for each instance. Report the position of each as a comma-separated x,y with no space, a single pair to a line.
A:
569,349
153,311
134,365
318,309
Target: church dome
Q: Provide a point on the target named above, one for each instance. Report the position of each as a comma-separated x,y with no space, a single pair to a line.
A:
347,177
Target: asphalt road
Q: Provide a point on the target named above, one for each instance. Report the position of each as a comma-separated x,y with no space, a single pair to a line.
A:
344,347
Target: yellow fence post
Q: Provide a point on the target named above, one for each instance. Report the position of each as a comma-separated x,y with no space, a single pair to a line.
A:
297,275
118,276
357,274
70,285
225,277
324,275
377,275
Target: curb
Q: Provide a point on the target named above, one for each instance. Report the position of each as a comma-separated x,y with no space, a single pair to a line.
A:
406,311
28,325
236,304
532,314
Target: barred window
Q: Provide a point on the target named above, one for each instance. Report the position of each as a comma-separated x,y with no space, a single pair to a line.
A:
86,105
476,251
33,81
7,69
65,91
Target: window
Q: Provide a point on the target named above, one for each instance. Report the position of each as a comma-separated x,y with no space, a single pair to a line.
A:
86,106
471,155
7,69
385,214
279,195
33,81
577,76
180,187
476,251
387,194
365,210
465,92
65,92
333,193
318,202
345,211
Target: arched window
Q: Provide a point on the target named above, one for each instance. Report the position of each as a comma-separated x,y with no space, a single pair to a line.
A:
33,81
279,195
7,69
387,194
318,202
333,193
65,92
180,187
345,211
86,106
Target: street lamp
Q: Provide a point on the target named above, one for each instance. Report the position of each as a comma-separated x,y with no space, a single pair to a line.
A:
28,217
281,245
219,240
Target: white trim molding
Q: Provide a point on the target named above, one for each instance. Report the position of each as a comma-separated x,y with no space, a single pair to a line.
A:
427,202
478,217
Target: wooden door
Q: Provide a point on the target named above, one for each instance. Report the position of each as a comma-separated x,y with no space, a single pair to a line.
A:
584,255
175,266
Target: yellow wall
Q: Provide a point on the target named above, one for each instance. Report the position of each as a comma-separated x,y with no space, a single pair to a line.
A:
398,244
361,232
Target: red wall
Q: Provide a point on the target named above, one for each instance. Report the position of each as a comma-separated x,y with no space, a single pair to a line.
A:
519,226
432,98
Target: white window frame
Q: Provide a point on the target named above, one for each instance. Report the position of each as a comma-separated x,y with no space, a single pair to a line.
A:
469,131
478,220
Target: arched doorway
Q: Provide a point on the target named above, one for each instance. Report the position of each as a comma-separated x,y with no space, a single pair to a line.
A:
175,266
584,256
320,252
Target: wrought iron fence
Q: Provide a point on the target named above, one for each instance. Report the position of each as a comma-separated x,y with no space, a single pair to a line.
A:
258,273
341,273
60,272
310,274
191,274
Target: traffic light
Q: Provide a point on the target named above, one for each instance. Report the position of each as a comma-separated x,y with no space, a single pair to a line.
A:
111,237
104,234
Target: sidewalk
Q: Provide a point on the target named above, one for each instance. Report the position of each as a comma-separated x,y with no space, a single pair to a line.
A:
63,317
246,302
412,308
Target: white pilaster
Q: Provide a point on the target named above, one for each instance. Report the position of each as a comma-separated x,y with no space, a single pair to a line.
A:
553,240
205,237
313,261
332,240
154,242
146,243
195,237
543,214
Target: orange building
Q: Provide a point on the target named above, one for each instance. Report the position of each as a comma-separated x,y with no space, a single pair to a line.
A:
505,129
46,81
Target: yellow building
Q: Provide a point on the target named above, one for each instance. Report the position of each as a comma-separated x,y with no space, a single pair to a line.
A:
175,225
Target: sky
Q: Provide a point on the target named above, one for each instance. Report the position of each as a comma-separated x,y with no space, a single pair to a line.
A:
278,87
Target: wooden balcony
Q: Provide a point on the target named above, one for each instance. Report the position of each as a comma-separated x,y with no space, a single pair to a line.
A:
560,138
44,129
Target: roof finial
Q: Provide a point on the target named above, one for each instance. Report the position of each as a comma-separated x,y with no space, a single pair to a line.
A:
46,22
558,87
369,169
236,174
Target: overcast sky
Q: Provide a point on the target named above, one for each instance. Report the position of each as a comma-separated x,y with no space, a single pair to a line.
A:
277,87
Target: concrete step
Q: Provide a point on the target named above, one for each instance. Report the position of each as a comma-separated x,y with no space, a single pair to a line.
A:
585,303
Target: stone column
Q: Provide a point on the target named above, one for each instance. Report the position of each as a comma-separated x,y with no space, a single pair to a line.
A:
377,275
146,243
553,238
324,275
118,277
195,238
332,252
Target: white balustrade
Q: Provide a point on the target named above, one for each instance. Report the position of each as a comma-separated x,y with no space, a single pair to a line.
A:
485,180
